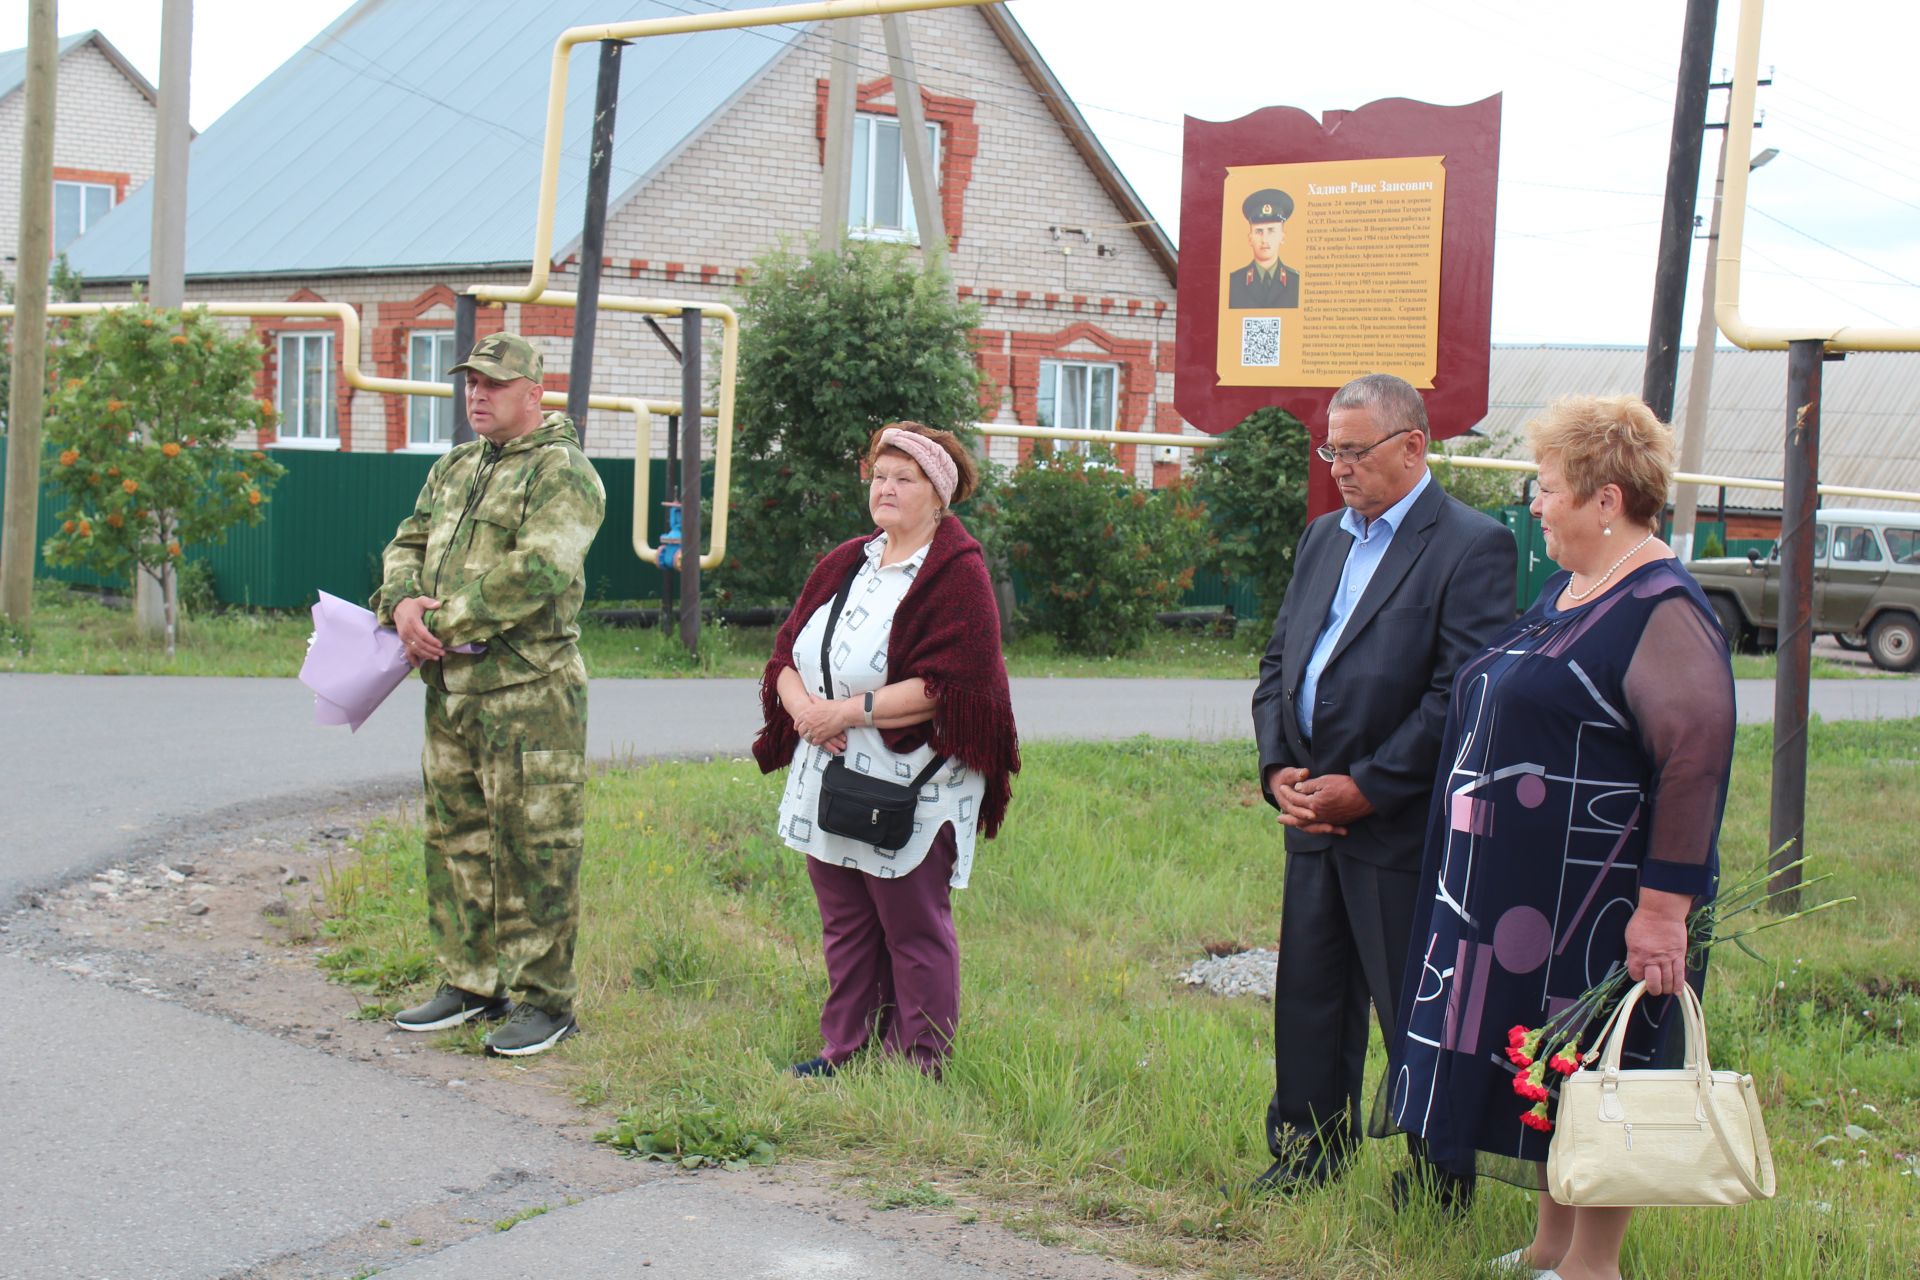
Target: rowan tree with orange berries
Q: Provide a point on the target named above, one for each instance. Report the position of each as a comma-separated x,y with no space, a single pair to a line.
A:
140,423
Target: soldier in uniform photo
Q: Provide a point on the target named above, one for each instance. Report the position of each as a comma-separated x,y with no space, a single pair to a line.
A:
493,559
1266,281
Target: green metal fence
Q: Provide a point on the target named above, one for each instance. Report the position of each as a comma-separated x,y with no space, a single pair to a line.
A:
332,513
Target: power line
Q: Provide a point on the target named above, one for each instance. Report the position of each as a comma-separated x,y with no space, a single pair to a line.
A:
1853,181
1812,283
1874,266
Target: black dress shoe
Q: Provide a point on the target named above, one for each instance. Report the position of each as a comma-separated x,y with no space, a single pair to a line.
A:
1450,1192
1290,1177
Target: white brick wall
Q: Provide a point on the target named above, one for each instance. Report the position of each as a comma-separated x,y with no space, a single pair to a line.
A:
102,123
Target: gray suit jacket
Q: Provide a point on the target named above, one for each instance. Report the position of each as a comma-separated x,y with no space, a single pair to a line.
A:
1443,590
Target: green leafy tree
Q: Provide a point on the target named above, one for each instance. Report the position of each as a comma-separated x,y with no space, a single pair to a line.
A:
140,423
1099,556
1482,488
63,285
1255,488
833,347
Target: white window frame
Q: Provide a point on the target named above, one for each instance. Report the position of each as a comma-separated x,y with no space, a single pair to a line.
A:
295,431
1084,371
429,418
867,152
79,191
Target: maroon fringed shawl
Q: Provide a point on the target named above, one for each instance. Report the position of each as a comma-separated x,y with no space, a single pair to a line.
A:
947,632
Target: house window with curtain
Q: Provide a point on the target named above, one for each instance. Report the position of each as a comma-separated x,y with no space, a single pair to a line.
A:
429,418
76,207
880,199
1078,395
306,388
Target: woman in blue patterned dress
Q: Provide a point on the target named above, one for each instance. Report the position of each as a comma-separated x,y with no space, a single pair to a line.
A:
1575,817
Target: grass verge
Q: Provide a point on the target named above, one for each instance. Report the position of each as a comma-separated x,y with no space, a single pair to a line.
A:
80,633
1092,1100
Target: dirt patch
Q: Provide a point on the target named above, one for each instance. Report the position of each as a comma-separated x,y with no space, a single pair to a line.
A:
223,919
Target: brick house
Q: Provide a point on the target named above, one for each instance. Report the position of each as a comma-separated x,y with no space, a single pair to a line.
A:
103,128
375,169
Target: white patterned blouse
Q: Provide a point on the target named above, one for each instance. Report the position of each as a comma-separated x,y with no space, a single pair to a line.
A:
859,662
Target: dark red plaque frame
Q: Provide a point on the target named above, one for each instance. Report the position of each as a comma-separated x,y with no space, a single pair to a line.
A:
1469,139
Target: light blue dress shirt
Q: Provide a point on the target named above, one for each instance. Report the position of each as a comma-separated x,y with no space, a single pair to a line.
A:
1370,543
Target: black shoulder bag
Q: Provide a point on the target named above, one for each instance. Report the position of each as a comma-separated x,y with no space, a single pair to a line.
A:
858,805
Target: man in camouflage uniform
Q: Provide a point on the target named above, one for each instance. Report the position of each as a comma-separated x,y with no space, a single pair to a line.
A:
493,554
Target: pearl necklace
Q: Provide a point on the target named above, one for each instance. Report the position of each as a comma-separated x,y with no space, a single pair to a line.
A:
1582,595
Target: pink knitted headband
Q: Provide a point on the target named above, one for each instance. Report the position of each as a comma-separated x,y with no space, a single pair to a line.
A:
933,460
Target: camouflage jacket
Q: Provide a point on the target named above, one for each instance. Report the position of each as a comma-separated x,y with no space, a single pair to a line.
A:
500,538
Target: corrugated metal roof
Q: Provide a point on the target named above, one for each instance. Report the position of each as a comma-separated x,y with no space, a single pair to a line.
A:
1869,416
13,62
408,134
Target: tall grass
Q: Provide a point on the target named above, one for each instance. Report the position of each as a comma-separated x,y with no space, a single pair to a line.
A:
1092,1099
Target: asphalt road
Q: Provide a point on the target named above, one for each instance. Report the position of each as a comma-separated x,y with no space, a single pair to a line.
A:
148,1140
100,766
97,767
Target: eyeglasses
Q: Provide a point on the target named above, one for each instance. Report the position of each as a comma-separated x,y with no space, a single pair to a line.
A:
1350,455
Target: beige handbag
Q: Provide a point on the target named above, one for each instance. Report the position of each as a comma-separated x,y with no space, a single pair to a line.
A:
1691,1136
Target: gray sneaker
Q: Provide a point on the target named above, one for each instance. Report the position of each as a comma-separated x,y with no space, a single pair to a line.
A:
450,1007
529,1031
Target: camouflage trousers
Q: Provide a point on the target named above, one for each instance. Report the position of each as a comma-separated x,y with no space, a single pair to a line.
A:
505,775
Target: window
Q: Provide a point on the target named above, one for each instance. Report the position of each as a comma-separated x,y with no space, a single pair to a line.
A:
1854,543
1080,396
1820,535
76,207
1903,545
306,387
430,418
880,199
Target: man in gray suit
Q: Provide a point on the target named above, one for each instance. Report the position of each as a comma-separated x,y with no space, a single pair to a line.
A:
1388,598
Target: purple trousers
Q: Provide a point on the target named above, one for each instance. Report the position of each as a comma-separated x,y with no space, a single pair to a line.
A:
893,963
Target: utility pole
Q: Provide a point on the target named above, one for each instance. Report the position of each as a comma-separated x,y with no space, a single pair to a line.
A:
1693,431
928,216
837,164
593,237
167,249
28,398
1676,224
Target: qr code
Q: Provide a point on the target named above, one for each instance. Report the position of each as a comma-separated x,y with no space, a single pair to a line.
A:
1260,342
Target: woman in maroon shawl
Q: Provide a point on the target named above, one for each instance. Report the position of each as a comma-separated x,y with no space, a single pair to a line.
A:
914,693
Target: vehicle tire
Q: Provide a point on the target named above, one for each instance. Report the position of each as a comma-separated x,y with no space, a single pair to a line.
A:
1732,625
1852,641
1893,642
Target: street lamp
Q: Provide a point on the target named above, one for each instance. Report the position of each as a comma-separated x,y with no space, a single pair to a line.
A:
1693,431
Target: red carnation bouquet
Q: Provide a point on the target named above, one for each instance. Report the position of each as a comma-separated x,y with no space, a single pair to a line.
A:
1554,1046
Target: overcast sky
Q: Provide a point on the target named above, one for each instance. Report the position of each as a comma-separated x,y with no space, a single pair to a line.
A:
1834,232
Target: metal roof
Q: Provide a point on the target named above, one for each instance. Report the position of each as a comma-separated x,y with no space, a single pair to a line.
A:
1869,411
13,62
407,134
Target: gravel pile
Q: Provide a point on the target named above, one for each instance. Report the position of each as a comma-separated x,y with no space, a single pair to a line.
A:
1244,973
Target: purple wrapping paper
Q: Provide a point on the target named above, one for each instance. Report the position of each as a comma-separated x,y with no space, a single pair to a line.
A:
353,662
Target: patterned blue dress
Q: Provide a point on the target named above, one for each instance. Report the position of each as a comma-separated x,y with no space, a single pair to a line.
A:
1586,756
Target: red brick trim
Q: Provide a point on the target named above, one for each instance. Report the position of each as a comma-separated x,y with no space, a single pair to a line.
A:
546,322
1135,392
959,139
990,354
394,325
267,382
118,181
